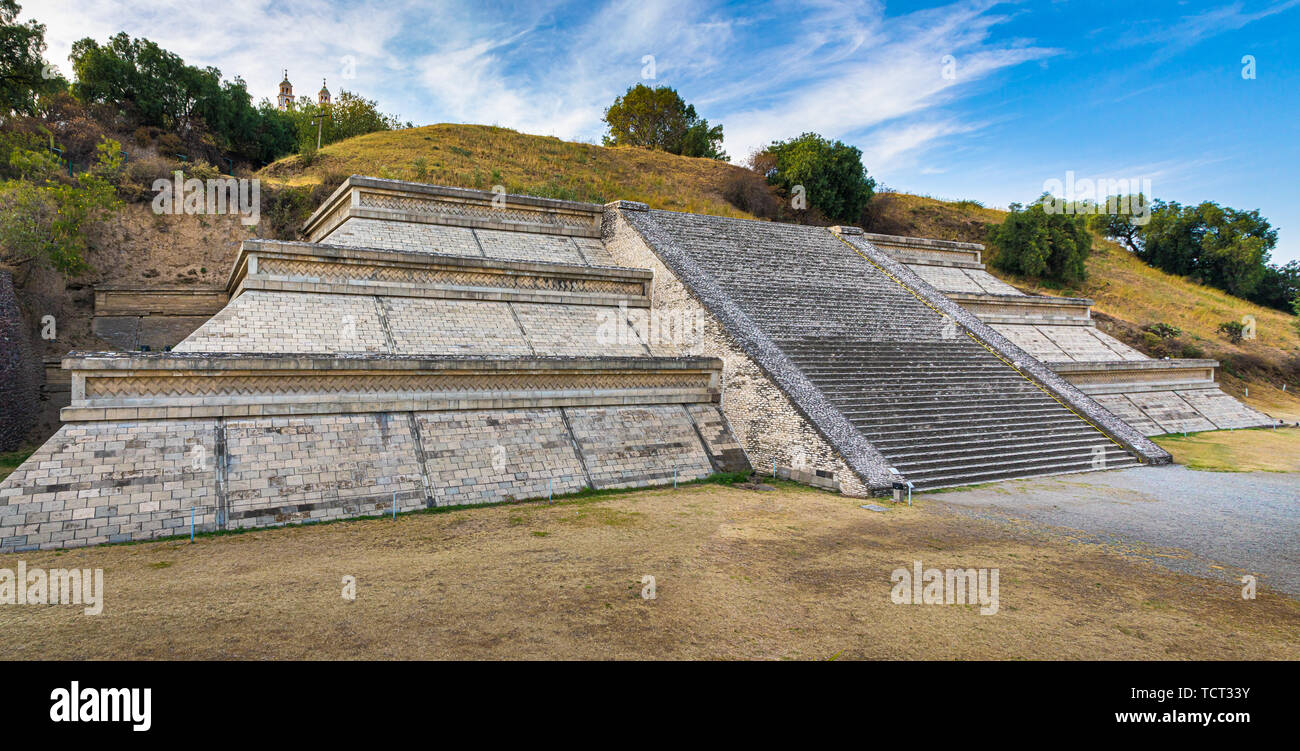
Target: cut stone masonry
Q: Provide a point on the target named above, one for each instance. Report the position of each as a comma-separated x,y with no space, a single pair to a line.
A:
435,346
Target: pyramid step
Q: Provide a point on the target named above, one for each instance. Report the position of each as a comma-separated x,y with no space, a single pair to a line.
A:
959,448
941,440
967,474
937,482
986,457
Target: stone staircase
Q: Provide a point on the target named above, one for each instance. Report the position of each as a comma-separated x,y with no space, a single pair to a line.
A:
950,412
940,407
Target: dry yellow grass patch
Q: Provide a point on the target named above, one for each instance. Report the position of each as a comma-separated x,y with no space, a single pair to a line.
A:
1124,287
477,156
790,574
1237,450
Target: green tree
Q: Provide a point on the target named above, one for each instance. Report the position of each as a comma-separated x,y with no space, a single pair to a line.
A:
347,116
1213,244
23,75
1039,244
155,87
1122,226
660,119
829,174
44,216
1279,287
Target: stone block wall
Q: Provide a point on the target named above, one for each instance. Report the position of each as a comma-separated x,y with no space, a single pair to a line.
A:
453,327
116,481
111,482
724,449
971,281
626,447
21,370
766,423
262,321
465,241
288,469
157,318
420,238
489,456
523,246
1067,343
579,330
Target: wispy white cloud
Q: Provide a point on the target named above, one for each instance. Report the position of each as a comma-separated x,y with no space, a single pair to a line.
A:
254,39
848,70
1173,38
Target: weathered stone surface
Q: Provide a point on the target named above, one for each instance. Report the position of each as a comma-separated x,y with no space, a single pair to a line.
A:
339,381
824,325
20,371
1037,325
117,481
634,446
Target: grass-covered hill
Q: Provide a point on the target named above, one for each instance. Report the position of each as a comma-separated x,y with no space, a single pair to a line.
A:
480,156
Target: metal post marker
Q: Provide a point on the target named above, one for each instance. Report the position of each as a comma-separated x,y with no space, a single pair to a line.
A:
548,490
394,505
191,524
674,478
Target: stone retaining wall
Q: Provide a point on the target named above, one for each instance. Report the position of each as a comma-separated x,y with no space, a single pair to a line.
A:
20,370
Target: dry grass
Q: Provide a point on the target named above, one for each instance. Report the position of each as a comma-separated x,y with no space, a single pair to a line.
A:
1124,287
477,156
790,574
1237,450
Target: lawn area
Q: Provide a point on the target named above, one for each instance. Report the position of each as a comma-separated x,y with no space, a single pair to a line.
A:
792,573
1237,450
9,460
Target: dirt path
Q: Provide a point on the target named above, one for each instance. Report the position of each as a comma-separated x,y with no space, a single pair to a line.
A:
788,574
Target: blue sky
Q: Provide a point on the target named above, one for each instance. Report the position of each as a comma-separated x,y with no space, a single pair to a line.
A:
1032,90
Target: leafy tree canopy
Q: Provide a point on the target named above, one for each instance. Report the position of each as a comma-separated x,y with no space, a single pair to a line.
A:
347,116
23,74
1039,244
1213,244
155,87
660,119
828,173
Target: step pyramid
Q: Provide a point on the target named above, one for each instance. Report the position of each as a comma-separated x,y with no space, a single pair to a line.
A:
442,352
1155,396
880,377
431,346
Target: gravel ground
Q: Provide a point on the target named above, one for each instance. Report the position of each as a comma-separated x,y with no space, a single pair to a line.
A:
1219,524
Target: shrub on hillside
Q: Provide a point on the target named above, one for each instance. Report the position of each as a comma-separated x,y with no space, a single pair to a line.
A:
1211,244
751,194
1035,243
43,217
283,211
660,119
136,183
1164,330
1233,330
828,175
